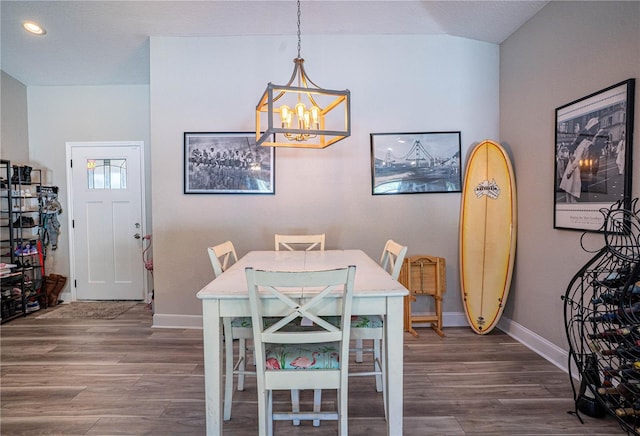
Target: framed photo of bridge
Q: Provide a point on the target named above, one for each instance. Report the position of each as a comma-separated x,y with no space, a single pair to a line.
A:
415,163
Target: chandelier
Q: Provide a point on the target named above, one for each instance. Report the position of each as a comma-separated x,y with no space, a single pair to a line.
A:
306,116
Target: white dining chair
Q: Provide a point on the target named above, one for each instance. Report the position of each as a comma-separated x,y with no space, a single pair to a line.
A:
372,327
291,357
299,242
223,256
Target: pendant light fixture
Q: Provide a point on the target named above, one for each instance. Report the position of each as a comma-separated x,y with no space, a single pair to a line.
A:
300,113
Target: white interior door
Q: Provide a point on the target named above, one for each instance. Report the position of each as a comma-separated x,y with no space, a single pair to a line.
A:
107,221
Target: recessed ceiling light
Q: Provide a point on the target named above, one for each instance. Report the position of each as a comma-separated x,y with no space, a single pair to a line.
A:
33,27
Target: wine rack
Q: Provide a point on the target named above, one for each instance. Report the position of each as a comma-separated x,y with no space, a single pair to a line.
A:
602,321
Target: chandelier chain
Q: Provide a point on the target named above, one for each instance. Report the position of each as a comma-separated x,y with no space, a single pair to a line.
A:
299,43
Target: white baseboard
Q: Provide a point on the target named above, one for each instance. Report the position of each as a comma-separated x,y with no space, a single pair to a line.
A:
529,339
536,343
169,321
526,337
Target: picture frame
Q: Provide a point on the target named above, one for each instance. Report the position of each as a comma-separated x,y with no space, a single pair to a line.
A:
415,163
593,154
227,163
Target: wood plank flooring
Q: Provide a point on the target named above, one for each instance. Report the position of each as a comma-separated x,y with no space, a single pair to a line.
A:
122,377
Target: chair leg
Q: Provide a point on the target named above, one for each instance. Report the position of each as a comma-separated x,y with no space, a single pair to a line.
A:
359,350
228,368
295,404
242,357
317,402
377,359
383,363
269,413
343,412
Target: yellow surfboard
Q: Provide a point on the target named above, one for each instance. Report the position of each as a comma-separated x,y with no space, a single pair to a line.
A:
487,234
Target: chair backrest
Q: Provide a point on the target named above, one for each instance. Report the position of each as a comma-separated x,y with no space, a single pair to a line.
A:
392,257
321,286
298,242
222,257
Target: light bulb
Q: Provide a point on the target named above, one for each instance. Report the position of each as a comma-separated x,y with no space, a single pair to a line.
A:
307,118
300,109
285,116
315,117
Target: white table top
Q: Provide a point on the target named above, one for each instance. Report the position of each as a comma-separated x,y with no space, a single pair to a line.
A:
371,279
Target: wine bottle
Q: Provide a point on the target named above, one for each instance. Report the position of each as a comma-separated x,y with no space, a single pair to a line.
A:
618,295
627,411
626,351
617,335
619,316
616,278
628,371
586,401
621,389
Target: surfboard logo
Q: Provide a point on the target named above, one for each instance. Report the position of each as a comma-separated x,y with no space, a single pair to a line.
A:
488,188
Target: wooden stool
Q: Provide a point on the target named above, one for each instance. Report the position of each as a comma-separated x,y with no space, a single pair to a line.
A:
423,275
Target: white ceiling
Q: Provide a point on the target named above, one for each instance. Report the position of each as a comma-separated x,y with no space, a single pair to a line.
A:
107,42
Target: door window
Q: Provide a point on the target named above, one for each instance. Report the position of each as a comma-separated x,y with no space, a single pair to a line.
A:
107,173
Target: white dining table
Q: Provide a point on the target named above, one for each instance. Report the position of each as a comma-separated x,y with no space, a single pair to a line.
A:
375,293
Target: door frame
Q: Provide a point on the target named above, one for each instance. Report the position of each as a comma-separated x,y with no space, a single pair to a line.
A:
143,210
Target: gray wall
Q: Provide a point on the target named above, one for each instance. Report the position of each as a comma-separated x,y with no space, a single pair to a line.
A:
14,135
398,84
61,114
567,51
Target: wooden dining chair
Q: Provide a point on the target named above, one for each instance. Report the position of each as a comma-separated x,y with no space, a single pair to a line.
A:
290,356
372,327
222,257
299,242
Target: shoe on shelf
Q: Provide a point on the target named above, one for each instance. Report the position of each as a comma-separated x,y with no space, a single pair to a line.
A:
24,222
32,306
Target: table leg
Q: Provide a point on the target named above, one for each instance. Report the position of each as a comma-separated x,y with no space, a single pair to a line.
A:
212,339
394,363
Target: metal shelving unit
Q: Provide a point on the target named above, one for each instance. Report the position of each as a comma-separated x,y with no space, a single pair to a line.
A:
21,282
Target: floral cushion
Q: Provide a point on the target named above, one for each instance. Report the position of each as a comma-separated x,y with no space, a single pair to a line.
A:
368,321
362,321
245,321
358,321
303,356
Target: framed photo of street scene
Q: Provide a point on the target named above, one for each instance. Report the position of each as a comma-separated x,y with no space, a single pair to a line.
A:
227,163
415,163
593,157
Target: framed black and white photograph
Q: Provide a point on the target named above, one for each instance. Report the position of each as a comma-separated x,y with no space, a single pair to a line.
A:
414,163
227,163
593,157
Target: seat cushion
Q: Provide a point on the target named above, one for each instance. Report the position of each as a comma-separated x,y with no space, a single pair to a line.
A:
358,321
245,321
368,321
303,356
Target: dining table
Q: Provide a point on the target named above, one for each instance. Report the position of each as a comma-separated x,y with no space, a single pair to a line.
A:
375,293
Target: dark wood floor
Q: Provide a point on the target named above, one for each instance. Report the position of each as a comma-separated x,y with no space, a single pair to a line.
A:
122,377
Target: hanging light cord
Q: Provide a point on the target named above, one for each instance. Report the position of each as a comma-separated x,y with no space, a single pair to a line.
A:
299,39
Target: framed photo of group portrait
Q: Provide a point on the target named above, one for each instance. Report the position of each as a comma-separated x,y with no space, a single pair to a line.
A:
227,163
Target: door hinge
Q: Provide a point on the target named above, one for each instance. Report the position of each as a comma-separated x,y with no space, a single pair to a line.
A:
73,224
75,283
71,163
